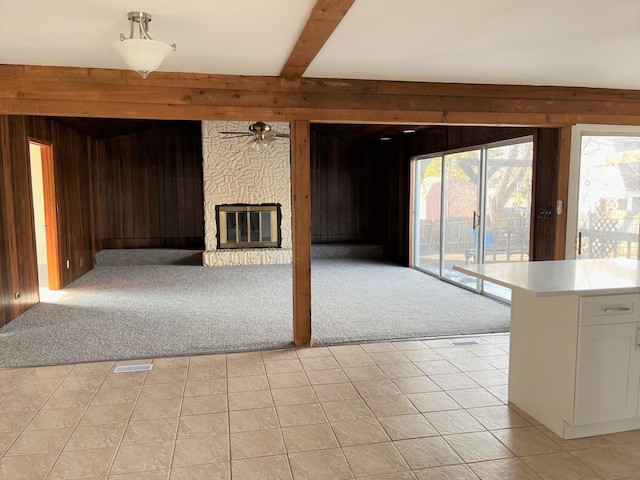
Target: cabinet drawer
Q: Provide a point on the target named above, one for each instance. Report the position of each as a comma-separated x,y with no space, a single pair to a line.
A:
609,309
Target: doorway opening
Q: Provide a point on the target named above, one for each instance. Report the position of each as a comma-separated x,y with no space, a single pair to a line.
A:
45,218
604,216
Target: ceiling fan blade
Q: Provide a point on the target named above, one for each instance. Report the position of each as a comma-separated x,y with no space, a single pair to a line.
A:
282,135
236,134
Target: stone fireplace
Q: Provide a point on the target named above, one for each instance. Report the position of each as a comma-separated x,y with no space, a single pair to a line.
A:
235,175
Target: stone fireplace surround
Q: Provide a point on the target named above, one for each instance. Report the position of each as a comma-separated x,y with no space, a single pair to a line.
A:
235,173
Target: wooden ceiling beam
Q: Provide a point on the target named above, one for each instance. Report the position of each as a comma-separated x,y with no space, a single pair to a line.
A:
325,17
30,90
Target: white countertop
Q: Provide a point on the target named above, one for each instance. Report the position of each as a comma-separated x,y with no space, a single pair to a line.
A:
562,277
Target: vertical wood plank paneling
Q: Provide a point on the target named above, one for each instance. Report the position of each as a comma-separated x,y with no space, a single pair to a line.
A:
137,161
186,215
75,179
10,273
17,233
316,186
562,189
545,175
301,231
100,168
342,191
5,263
396,247
155,199
153,196
126,181
24,229
172,199
181,213
95,245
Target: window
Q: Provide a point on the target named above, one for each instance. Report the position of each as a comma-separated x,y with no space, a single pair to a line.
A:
248,226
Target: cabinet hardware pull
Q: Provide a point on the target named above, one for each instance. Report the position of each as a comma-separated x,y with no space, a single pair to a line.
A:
638,336
617,309
476,225
579,243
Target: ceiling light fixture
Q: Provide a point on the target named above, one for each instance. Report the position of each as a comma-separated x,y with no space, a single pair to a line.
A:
142,54
263,136
409,130
385,139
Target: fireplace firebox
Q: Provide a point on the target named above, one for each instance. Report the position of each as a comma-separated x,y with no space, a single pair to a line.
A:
248,226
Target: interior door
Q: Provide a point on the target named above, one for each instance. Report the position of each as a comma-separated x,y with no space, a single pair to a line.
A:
604,194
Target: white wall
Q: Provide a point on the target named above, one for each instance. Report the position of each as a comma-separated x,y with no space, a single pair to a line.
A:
38,202
235,173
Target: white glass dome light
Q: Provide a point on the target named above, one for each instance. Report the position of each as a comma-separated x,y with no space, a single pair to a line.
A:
144,54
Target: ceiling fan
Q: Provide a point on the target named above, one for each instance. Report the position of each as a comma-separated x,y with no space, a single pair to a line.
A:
261,134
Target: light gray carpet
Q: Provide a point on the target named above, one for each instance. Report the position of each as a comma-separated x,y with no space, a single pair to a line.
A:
158,310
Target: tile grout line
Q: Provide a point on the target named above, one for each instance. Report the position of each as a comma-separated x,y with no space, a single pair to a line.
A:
226,382
124,432
275,408
20,432
175,436
346,459
79,419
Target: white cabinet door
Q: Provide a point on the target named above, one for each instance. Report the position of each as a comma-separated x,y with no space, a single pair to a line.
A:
608,373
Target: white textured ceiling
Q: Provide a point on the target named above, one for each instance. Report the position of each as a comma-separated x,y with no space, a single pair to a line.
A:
594,43
250,37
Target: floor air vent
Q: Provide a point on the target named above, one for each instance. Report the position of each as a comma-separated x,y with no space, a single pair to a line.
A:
464,344
133,368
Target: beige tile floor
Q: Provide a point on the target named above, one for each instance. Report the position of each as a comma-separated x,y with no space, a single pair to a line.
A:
428,410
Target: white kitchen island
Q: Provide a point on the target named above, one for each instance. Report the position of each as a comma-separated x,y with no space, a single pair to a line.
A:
575,342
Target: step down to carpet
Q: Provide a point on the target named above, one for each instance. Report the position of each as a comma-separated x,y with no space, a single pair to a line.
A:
147,256
133,368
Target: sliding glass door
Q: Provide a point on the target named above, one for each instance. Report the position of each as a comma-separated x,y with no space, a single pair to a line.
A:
460,211
427,216
473,206
604,216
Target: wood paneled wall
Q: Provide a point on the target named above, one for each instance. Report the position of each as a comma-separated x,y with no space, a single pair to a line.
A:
148,186
151,189
75,182
545,193
394,205
344,187
75,178
18,265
